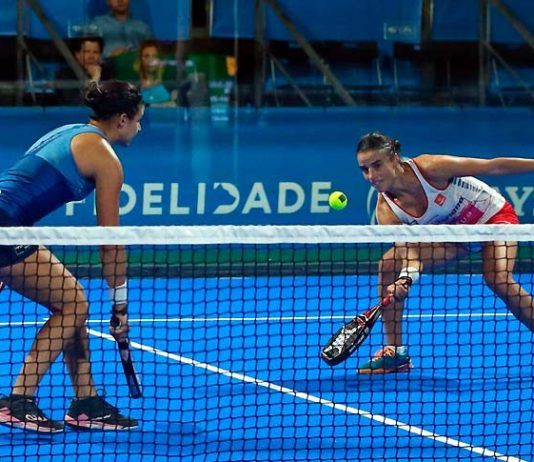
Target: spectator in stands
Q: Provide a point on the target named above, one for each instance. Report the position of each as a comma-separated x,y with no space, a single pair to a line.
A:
121,33
151,69
88,53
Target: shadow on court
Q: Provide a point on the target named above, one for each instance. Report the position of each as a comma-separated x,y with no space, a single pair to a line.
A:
384,383
169,438
409,382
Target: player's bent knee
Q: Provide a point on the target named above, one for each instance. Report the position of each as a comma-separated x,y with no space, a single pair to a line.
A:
81,310
78,309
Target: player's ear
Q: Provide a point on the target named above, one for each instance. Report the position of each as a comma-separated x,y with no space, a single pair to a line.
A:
396,157
122,119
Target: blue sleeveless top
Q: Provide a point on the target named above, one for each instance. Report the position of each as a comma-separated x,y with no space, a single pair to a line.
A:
45,178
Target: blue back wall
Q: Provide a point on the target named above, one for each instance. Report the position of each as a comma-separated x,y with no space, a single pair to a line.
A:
169,19
274,166
454,22
319,20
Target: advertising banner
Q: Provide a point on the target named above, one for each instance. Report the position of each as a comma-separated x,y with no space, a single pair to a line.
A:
274,166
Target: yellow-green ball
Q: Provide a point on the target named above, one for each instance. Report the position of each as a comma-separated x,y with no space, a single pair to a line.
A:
338,200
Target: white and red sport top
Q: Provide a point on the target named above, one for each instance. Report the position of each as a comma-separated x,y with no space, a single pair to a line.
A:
466,200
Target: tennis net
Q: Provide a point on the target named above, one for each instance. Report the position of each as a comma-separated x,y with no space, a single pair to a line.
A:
226,328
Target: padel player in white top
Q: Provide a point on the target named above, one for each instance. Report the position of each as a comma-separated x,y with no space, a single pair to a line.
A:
465,201
437,189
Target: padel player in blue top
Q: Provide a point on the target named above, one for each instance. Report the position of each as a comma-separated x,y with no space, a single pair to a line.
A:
437,189
65,165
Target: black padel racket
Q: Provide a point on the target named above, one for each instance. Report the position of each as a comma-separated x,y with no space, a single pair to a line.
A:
350,336
134,386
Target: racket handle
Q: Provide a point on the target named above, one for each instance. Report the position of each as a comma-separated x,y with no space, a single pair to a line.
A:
386,300
123,344
132,380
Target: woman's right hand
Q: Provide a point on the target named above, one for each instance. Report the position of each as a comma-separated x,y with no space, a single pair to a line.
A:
399,289
118,324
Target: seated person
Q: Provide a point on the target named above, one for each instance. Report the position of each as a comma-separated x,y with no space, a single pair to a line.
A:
121,33
151,70
88,52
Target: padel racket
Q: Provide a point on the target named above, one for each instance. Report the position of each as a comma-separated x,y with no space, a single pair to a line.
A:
350,336
134,385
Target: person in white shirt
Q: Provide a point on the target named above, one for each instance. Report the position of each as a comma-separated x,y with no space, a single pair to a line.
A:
436,189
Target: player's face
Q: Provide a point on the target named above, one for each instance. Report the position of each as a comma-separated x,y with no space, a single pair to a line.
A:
129,128
378,167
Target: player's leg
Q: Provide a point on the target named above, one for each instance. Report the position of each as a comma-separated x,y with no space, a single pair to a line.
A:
394,356
45,280
42,278
389,267
499,260
424,257
76,358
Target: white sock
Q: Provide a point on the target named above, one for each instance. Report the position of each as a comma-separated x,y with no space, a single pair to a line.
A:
400,349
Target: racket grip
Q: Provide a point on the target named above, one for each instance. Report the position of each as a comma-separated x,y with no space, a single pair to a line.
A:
123,344
386,300
134,386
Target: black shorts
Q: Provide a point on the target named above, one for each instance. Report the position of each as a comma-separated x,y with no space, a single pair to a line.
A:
11,254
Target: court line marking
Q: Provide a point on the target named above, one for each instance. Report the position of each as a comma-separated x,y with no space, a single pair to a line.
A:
266,318
304,318
317,400
22,323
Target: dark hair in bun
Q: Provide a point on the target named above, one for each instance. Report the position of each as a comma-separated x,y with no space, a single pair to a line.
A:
112,97
379,141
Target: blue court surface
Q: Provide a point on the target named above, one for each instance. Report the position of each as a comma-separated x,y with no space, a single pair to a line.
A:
231,371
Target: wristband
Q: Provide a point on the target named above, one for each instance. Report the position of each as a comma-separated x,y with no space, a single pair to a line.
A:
410,273
119,295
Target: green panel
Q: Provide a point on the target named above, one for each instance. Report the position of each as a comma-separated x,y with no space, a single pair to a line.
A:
125,66
211,64
261,260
